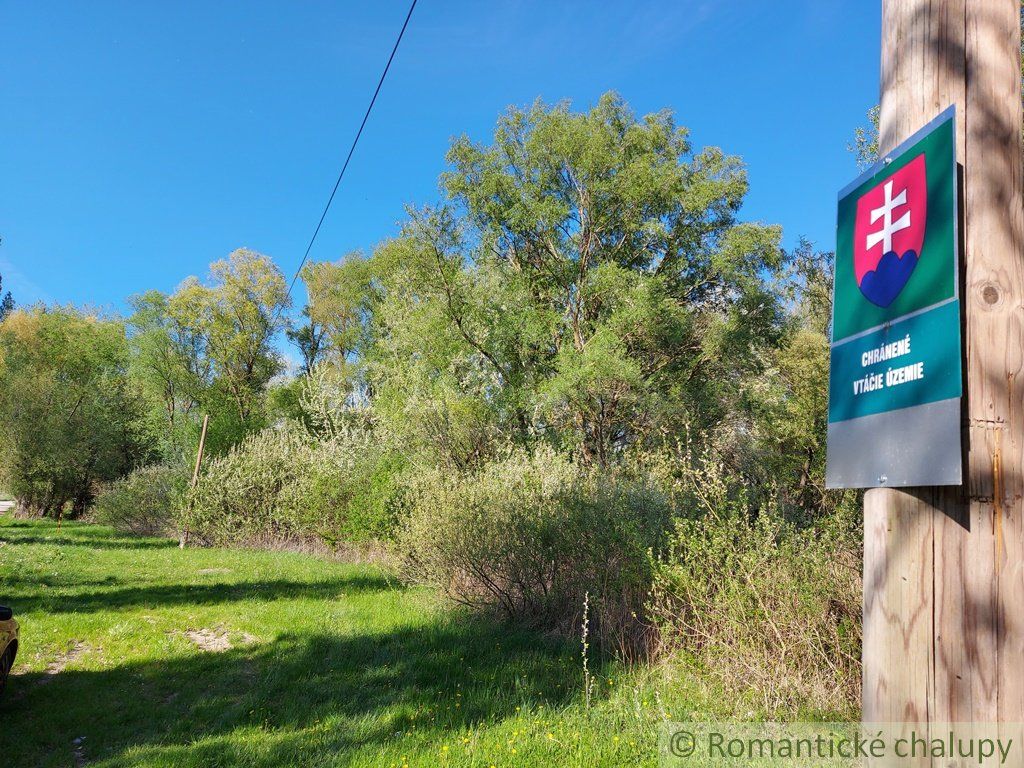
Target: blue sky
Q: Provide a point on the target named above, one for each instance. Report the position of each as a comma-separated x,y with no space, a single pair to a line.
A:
141,141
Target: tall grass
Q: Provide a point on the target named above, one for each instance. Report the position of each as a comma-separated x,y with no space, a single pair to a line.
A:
768,607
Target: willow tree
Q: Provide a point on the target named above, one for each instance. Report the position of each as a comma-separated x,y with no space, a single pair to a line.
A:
587,281
210,347
69,415
337,314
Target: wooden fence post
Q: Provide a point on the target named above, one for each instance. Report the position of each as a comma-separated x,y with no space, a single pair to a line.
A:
183,541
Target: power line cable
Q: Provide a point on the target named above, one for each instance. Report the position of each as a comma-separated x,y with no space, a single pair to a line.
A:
352,149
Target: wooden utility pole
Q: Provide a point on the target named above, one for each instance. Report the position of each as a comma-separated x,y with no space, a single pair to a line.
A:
944,567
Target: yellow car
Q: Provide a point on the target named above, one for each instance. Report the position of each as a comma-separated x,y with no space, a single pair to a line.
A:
8,644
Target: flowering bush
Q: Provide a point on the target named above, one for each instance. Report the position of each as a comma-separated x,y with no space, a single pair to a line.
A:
282,485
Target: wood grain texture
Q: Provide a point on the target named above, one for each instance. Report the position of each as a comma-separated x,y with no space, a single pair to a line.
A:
944,568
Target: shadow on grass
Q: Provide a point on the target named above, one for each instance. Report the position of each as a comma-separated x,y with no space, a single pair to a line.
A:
90,542
74,534
297,701
26,581
169,595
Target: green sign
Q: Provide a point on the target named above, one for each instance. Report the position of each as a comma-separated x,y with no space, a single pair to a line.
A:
896,377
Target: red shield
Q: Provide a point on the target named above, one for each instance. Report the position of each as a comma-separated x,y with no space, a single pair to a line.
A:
889,233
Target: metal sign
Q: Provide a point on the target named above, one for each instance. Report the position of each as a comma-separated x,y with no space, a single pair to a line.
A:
896,376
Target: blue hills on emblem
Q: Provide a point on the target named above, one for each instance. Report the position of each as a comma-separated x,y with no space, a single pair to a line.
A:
883,284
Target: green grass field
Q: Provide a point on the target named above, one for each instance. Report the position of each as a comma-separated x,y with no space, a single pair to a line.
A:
135,653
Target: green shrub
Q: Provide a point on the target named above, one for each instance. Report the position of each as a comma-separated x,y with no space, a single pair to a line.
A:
70,418
377,485
144,502
532,536
769,608
283,485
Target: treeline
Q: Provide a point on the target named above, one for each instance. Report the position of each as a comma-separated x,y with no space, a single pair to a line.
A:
579,382
87,398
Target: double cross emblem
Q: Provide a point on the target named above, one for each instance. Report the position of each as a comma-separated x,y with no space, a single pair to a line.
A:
885,212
